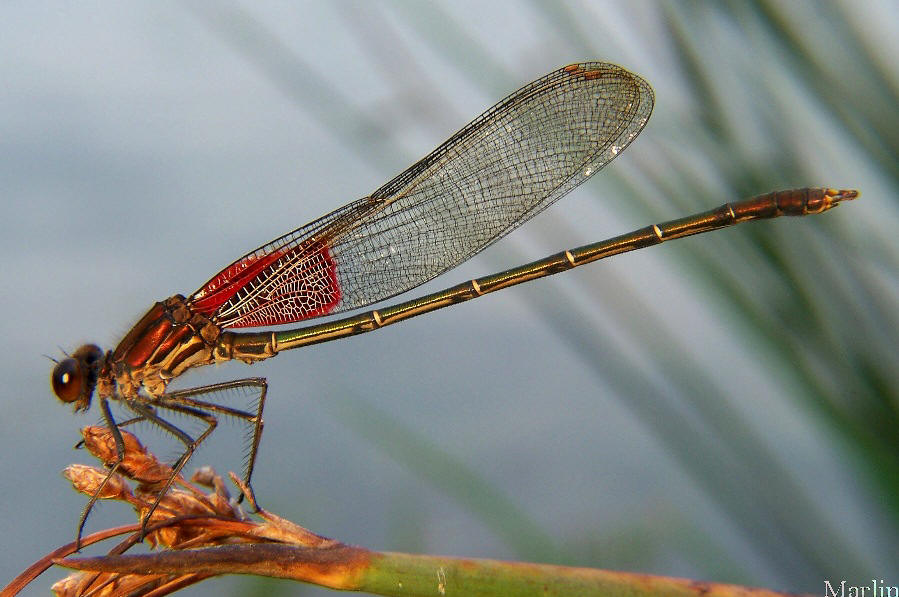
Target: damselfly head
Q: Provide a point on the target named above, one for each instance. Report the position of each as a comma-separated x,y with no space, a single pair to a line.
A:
74,378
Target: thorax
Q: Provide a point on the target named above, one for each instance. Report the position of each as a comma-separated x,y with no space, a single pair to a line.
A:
167,341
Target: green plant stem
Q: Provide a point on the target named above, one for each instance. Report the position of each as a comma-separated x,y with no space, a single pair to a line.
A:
350,568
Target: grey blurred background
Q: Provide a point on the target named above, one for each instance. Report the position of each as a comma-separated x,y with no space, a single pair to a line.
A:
721,408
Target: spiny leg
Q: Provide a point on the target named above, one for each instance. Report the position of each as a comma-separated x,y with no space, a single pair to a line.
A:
180,401
190,444
119,425
120,457
185,398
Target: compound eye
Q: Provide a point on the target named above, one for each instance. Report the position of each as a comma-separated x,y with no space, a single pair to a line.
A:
68,380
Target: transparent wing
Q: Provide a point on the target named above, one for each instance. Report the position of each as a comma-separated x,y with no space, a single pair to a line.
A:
500,170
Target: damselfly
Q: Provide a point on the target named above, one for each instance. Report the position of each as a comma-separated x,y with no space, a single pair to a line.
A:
497,172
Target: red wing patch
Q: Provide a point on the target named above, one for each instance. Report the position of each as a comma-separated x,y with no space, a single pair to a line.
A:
288,285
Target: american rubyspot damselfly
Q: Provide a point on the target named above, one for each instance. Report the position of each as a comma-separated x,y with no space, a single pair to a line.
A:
497,172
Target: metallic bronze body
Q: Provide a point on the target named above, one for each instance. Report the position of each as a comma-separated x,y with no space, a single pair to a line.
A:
172,338
167,341
250,347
